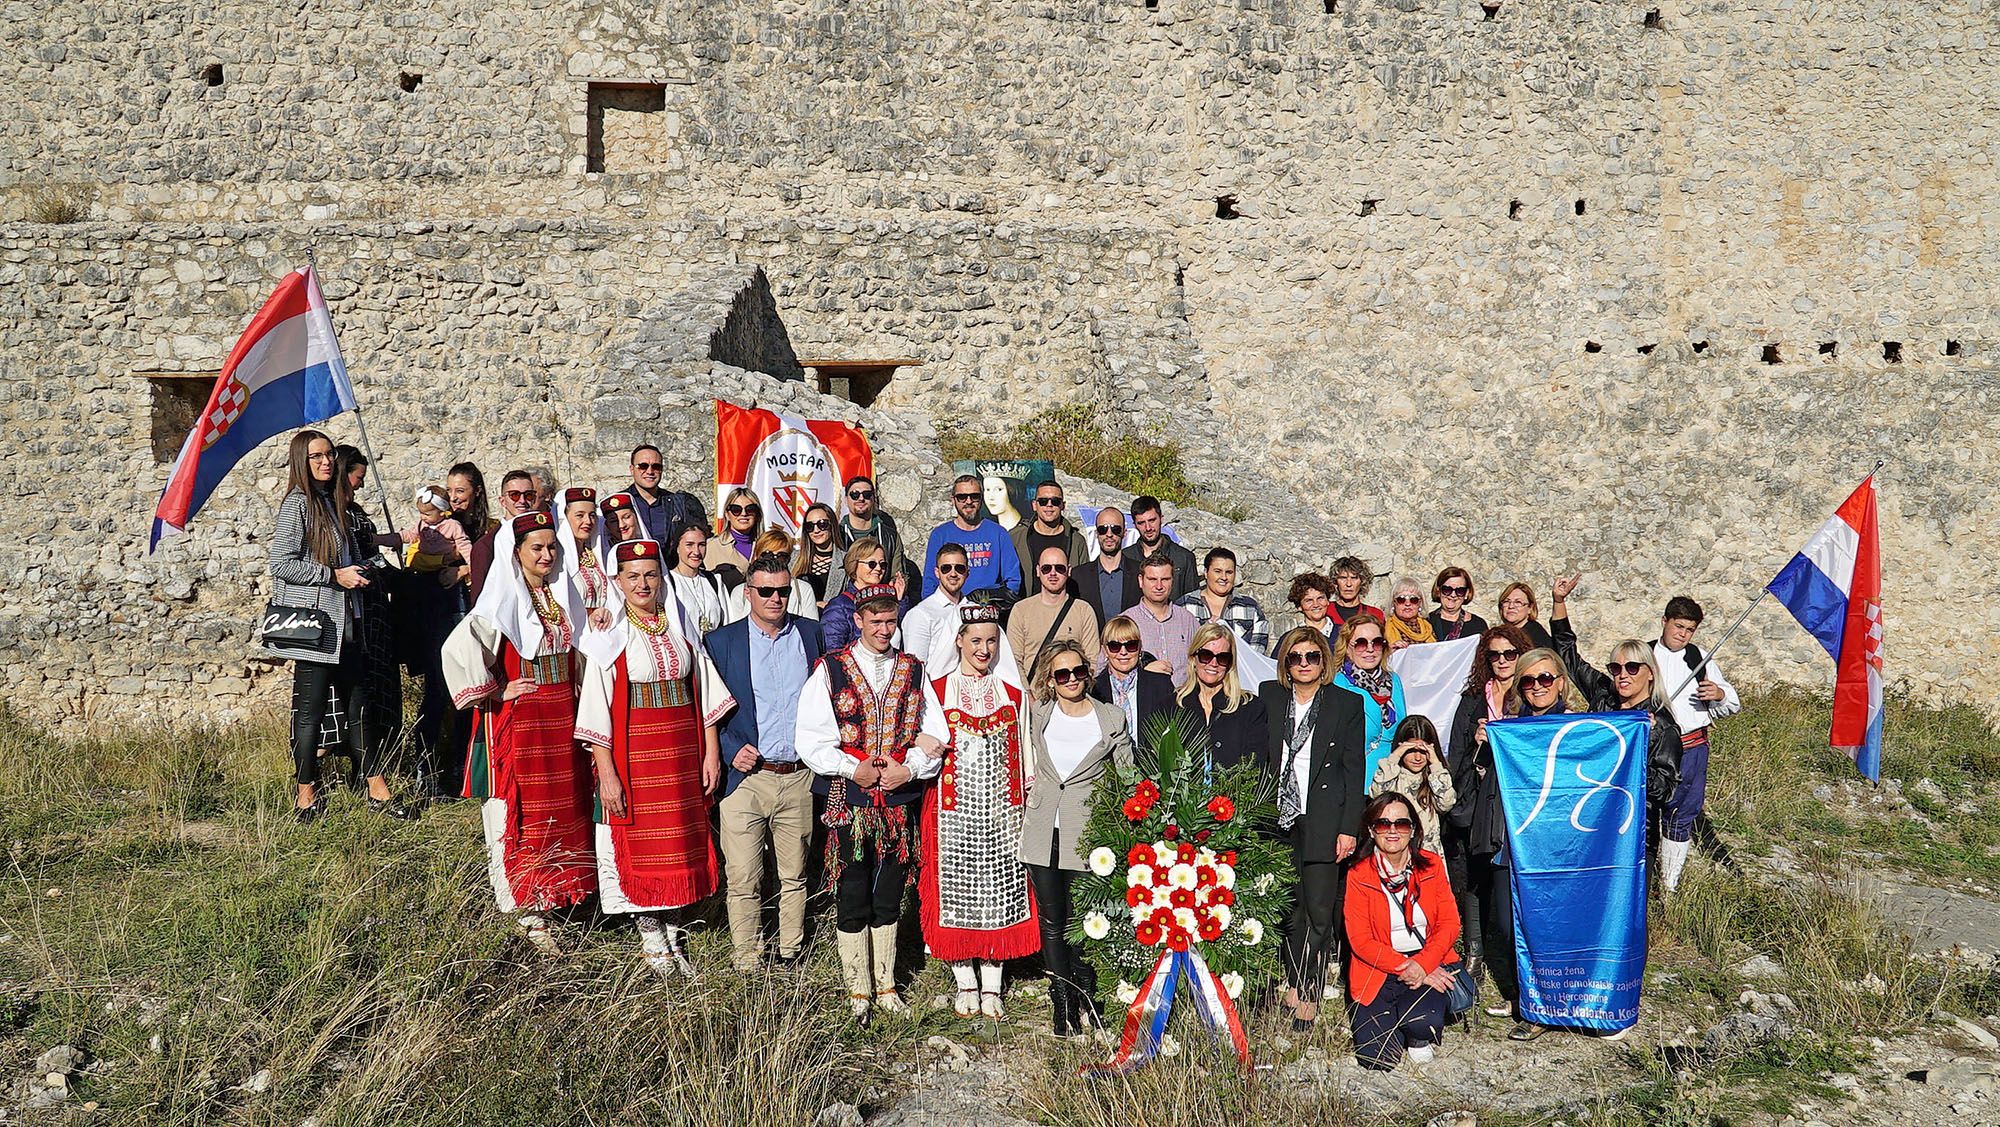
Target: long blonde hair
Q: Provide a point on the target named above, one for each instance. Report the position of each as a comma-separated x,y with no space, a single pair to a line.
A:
1571,698
1232,689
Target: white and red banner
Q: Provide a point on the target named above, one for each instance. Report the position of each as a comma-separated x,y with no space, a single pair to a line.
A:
788,462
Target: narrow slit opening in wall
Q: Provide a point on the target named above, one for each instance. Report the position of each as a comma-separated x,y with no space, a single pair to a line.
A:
1951,348
1829,348
1225,207
1654,22
1892,351
1491,11
1592,346
212,74
1647,349
1771,354
409,81
1513,209
1368,206
175,401
623,122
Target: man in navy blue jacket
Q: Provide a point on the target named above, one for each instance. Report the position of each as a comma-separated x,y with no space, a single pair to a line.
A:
765,659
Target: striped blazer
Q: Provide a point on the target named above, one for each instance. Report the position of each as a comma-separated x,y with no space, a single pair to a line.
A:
299,580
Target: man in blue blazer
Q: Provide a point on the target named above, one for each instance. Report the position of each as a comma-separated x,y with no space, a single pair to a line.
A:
764,660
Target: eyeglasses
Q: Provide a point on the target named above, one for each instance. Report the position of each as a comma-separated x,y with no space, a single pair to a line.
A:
861,495
952,569
1454,592
649,467
817,525
1048,501
1364,644
1539,680
319,457
1498,656
1393,825
1215,657
770,592
1111,530
878,565
740,510
1121,647
1417,599
1067,675
1628,668
965,496
1053,569
520,494
1304,657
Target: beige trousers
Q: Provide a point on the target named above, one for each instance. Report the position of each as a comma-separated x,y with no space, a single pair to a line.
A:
780,807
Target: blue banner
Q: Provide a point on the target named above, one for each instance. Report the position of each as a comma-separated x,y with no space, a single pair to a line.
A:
1573,789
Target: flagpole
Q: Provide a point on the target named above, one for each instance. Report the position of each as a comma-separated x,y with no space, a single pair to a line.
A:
374,469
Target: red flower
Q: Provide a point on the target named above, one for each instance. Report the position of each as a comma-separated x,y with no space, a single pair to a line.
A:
1181,898
1210,930
1135,810
1163,918
1222,896
1221,808
1185,854
1172,832
1177,940
1204,876
1148,934
1229,858
1201,835
1148,790
1137,895
1141,854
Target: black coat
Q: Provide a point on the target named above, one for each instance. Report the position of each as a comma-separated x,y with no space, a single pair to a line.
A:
1336,790
1663,747
1477,811
1156,696
1085,579
1233,737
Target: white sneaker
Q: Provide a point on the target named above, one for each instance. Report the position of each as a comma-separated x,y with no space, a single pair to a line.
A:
1421,1054
1615,1035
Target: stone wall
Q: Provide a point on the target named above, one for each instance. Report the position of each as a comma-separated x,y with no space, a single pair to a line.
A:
1640,287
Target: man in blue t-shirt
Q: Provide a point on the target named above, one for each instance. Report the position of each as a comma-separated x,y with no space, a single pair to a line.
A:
988,548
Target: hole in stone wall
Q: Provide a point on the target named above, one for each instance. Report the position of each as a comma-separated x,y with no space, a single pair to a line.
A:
409,81
1892,351
212,74
1180,276
1951,348
1771,355
1829,348
177,399
1654,22
1368,206
1592,346
622,125
1330,5
1579,207
1513,209
1492,11
1225,207
1152,5
859,382
1647,349
1699,345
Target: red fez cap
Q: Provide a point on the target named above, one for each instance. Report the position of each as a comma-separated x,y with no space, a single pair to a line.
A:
579,493
616,502
629,550
530,522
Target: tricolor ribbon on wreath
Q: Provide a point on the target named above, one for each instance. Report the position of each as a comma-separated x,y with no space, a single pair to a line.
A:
1146,1019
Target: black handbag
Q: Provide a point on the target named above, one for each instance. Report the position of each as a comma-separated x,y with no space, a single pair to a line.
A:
1464,989
295,627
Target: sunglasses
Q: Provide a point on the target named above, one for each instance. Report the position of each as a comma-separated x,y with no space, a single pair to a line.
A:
520,494
1048,500
1628,668
965,496
1215,657
1498,656
1539,680
1304,657
1121,647
862,495
1067,675
817,525
770,592
1393,825
952,569
740,510
1364,644
649,467
1454,592
1053,569
1417,599
878,565
1111,530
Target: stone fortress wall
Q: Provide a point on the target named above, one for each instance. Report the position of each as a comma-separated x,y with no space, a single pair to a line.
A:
1637,287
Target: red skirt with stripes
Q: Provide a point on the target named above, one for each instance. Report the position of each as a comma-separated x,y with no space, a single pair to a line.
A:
544,776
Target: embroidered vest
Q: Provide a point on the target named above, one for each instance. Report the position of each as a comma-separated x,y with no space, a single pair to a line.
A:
876,726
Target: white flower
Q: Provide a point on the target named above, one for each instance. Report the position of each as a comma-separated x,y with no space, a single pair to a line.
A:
1204,856
1096,926
1181,876
1103,861
1168,1046
1253,932
1139,876
1232,983
1140,912
1184,919
1222,916
1225,875
1264,882
1127,993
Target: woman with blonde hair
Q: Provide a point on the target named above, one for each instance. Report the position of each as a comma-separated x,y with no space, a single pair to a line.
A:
1213,701
735,540
1361,666
1406,624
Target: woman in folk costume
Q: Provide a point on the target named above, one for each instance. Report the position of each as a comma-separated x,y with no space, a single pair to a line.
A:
512,659
874,736
973,888
646,711
586,555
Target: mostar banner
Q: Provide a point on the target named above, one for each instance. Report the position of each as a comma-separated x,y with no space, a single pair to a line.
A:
789,463
1573,788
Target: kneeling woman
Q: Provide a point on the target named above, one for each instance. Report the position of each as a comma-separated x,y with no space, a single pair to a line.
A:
973,887
1401,923
646,711
512,660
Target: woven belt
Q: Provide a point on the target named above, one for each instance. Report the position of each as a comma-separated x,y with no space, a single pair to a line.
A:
1698,736
550,669
659,694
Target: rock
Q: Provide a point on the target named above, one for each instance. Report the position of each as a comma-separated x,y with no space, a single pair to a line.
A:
1454,1119
1964,1076
1767,1005
46,1098
63,1058
1760,966
1741,1031
259,1081
841,1115
1979,1034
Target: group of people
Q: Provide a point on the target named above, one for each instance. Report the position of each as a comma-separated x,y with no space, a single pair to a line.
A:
638,694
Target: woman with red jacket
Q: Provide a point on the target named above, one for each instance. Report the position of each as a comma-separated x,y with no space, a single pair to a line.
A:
1402,920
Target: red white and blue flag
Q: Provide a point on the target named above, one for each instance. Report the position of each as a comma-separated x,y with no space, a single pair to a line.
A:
284,374
1834,588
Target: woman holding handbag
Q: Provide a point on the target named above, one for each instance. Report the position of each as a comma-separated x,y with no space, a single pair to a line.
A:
313,620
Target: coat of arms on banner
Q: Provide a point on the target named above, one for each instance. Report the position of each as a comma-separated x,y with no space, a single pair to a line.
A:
789,463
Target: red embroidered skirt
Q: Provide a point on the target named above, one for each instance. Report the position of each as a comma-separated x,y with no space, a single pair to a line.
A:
664,850
544,776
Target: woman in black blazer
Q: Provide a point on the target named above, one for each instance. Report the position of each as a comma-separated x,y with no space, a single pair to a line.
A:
1317,735
1125,681
1213,701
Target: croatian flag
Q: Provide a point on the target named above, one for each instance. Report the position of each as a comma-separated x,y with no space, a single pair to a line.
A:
1834,588
284,374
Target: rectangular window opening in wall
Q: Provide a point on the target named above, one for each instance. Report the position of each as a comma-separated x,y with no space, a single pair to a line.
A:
1892,351
1654,22
212,74
175,401
1330,5
1579,207
626,124
1829,348
1152,5
1952,348
1771,354
1490,11
859,382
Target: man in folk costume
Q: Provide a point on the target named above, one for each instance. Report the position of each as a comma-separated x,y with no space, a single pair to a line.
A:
645,708
873,734
512,659
973,888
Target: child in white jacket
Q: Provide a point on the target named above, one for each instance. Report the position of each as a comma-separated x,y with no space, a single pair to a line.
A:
1412,770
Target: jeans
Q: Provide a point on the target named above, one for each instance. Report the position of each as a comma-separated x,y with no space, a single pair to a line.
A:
311,682
1399,1016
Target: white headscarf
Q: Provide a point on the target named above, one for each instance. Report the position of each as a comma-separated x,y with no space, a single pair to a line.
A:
504,600
614,599
604,646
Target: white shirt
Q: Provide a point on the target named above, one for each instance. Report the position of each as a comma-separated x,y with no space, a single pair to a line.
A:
1693,715
930,634
1069,739
818,733
1302,763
